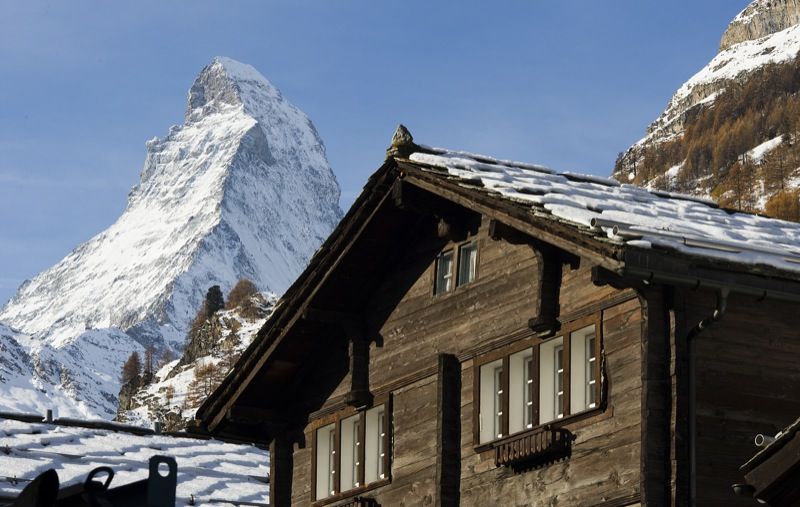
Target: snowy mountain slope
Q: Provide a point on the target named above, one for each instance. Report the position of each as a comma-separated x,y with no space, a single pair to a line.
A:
35,376
241,190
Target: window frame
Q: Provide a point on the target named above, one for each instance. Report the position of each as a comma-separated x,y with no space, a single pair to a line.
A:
453,252
455,266
337,418
457,270
533,342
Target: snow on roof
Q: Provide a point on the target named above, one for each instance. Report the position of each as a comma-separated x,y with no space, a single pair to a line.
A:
627,214
210,470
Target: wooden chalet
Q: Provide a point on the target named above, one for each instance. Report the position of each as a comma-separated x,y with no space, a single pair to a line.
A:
481,332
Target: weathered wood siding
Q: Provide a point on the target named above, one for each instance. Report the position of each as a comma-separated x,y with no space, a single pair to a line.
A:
411,329
605,460
748,382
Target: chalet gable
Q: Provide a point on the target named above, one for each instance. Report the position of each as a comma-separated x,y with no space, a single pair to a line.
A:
622,229
573,285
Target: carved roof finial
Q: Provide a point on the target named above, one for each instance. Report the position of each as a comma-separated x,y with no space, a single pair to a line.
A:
402,143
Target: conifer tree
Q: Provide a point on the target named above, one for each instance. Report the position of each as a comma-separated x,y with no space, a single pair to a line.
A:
241,293
214,300
132,368
149,361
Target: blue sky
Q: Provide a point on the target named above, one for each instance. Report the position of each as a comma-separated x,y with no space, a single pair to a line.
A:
84,84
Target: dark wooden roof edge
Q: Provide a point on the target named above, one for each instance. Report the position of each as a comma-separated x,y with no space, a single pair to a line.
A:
677,268
212,410
569,236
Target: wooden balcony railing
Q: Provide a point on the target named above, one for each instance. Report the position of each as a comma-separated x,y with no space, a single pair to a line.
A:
537,447
360,501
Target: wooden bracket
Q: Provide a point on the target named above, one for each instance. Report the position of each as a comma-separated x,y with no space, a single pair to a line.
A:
550,270
358,352
499,230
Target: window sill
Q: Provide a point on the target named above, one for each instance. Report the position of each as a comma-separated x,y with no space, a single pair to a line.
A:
351,496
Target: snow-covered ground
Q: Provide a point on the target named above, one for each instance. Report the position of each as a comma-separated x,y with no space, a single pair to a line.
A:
35,376
757,154
208,470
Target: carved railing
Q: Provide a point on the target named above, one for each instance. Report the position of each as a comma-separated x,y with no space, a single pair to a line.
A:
360,501
534,448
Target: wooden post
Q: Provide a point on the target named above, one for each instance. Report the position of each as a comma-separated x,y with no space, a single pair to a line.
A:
656,400
280,474
448,434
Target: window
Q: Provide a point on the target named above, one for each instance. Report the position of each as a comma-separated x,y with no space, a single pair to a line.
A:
540,383
350,453
444,273
467,263
466,270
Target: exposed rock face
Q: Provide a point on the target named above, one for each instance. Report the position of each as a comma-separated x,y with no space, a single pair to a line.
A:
127,392
242,189
759,19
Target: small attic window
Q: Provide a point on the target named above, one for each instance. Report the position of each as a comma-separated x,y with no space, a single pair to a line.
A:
467,263
444,273
450,274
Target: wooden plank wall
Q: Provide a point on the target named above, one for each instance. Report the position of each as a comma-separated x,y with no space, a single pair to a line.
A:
410,332
748,382
605,462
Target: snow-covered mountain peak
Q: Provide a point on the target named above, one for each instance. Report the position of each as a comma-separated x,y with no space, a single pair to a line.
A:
242,189
226,82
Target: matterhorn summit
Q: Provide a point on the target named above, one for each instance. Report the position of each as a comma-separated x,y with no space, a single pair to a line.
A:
242,189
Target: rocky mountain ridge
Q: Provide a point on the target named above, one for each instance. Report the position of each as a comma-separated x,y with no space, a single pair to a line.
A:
242,189
761,19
